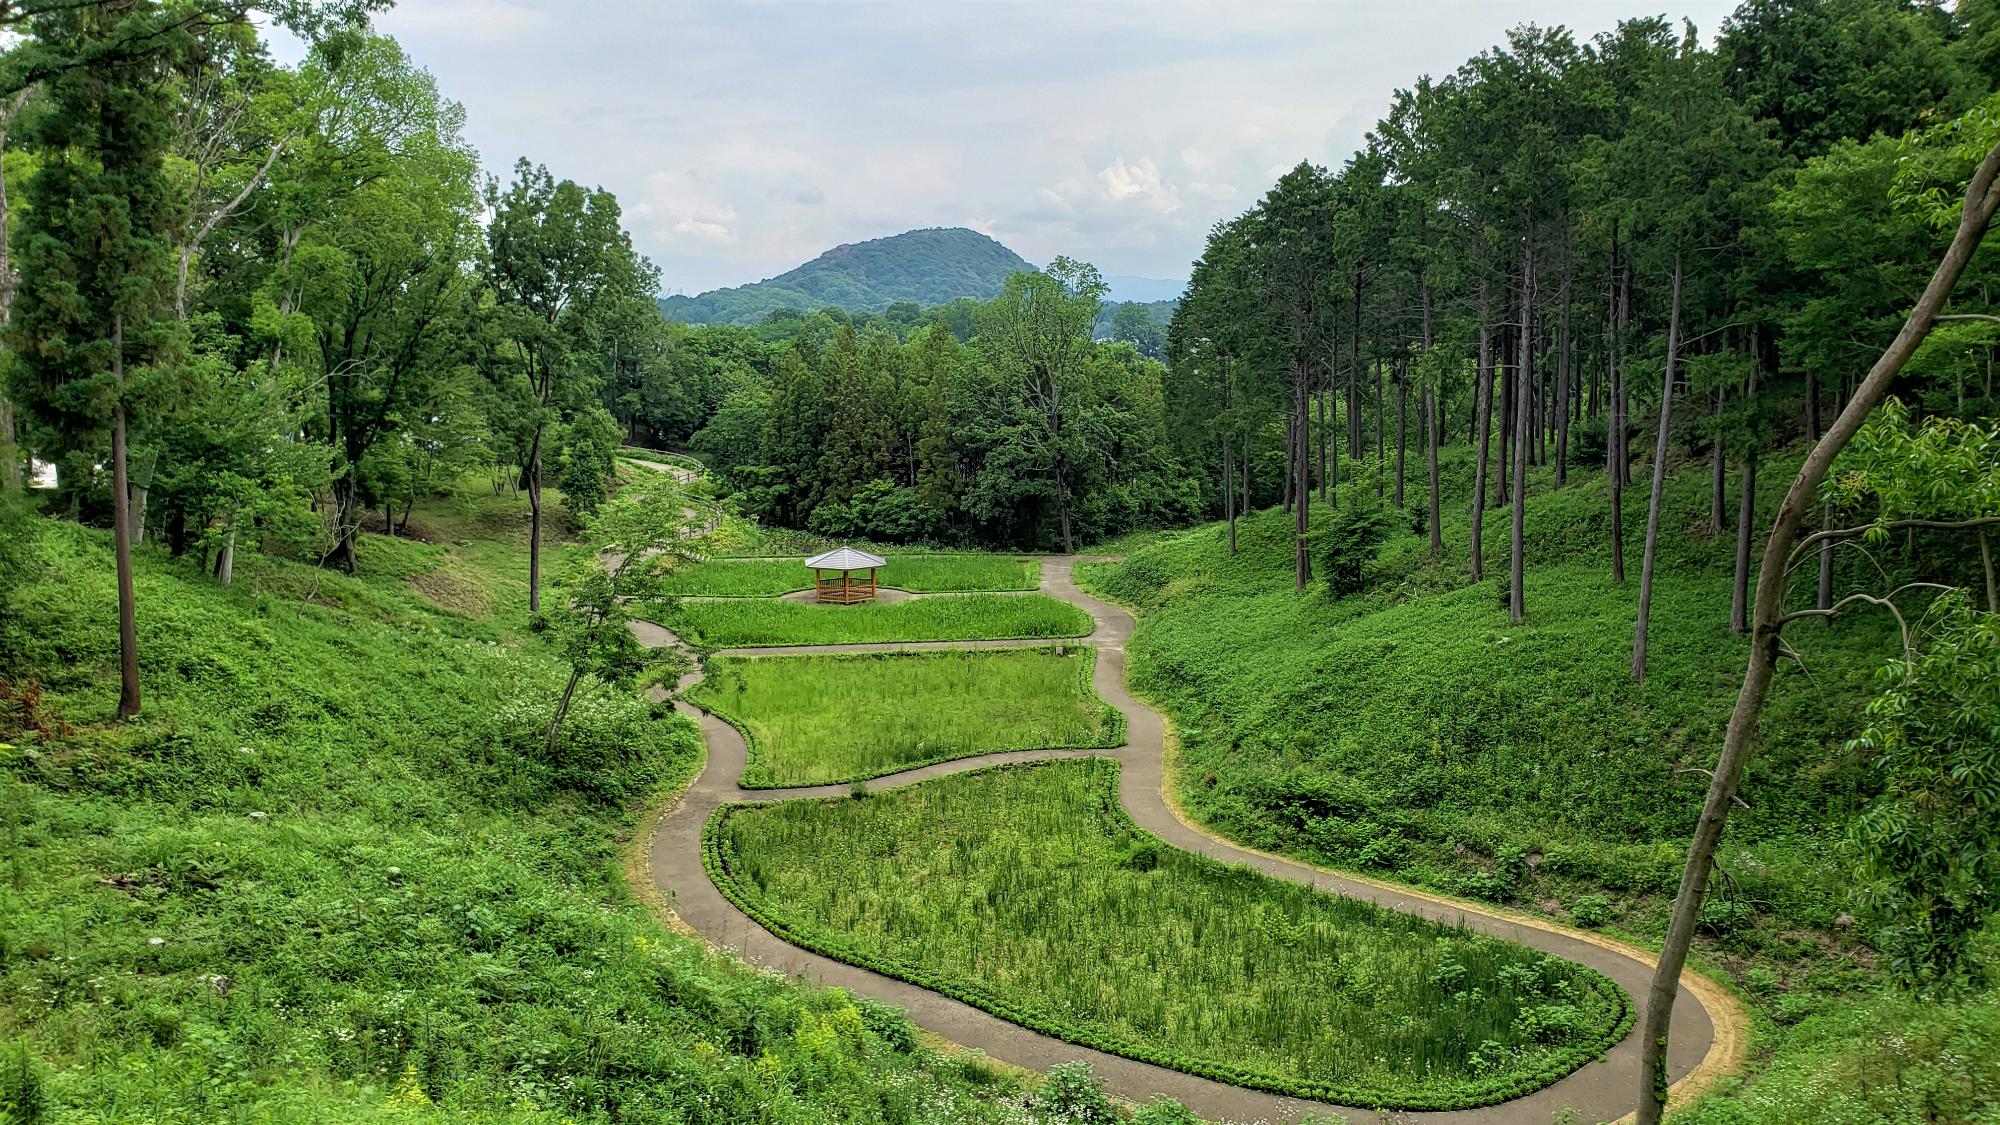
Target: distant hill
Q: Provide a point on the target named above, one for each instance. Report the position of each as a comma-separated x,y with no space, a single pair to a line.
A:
929,267
1145,290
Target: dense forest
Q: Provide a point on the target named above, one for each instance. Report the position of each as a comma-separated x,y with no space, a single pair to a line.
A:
1603,306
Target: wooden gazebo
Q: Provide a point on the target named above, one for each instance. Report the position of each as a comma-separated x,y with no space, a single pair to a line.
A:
834,574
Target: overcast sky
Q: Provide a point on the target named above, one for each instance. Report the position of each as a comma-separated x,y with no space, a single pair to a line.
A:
745,138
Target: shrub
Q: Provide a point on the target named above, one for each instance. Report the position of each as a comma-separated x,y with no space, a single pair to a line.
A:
1349,541
1591,910
1070,1096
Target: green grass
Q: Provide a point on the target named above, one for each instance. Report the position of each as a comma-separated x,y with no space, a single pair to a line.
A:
1026,890
1461,744
750,623
922,574
425,923
812,720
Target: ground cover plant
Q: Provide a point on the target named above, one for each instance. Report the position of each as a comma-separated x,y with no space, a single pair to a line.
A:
921,574
1025,890
752,623
817,719
331,874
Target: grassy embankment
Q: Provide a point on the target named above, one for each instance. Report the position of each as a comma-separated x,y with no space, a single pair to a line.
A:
1411,732
1026,890
330,874
812,720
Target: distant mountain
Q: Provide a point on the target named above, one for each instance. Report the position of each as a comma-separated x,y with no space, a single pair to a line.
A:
929,267
1145,290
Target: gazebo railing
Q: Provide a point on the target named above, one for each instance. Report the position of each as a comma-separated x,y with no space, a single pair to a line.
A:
844,587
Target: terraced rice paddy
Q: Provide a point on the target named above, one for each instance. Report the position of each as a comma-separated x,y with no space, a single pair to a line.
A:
755,623
1026,890
919,574
812,720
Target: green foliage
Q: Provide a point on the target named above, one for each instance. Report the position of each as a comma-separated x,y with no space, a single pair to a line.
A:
1591,910
1004,888
929,267
1348,541
1069,1094
814,720
1883,1061
1459,738
1930,843
747,623
423,918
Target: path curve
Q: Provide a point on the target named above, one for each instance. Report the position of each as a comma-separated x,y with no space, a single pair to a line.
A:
1710,1028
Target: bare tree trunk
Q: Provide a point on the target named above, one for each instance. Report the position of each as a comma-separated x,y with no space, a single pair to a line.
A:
1506,377
1229,493
1614,417
1718,471
1291,460
1246,473
1746,517
535,535
1402,429
562,709
1982,196
10,456
1992,587
1381,448
121,534
1484,428
1435,429
1303,489
1564,397
1325,442
1824,601
1524,380
1659,480
225,559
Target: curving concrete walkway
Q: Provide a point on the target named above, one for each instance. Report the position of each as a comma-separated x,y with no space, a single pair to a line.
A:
1710,1029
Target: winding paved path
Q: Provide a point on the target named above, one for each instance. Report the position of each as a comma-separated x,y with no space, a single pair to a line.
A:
1709,1027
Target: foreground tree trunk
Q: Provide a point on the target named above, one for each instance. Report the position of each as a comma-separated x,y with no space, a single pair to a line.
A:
121,534
1402,429
1659,480
1982,197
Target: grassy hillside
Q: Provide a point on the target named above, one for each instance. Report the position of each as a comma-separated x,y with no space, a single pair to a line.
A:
331,875
1409,730
929,267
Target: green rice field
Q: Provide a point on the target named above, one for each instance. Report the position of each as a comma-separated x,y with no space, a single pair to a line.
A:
919,574
1025,890
813,720
759,623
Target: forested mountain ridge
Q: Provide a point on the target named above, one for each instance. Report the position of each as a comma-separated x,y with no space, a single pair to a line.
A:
928,267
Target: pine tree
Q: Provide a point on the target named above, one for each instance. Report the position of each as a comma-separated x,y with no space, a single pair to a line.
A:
93,314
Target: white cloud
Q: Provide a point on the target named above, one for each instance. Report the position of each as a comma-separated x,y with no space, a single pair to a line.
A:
746,138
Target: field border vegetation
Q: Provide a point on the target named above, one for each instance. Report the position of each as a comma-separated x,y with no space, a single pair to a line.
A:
889,580
755,775
1079,626
716,856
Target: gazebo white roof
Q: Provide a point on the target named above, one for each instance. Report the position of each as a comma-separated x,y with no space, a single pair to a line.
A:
846,558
